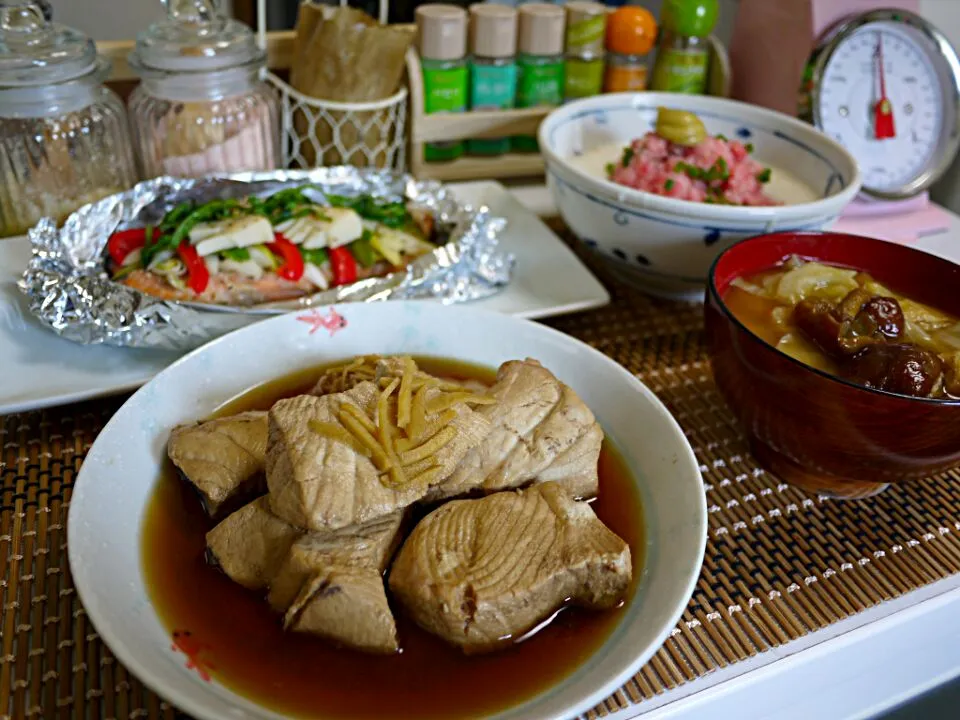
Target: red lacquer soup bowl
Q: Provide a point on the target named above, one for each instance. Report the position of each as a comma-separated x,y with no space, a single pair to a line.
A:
819,432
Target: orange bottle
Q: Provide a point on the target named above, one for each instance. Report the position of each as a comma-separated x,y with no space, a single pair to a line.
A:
631,32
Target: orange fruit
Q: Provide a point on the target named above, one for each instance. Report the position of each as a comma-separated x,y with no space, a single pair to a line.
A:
631,30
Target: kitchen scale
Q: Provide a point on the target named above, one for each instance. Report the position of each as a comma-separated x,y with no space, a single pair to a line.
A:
886,85
881,80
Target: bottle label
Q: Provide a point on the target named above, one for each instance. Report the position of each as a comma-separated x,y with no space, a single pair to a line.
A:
540,84
680,71
445,90
586,33
492,87
624,78
584,78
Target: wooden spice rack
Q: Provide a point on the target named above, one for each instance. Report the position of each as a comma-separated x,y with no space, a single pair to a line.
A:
444,126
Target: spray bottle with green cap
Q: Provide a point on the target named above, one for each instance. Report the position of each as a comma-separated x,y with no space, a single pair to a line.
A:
683,52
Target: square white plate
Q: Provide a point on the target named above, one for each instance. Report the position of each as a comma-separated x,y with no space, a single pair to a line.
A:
39,369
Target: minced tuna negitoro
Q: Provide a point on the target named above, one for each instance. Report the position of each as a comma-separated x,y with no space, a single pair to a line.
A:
692,166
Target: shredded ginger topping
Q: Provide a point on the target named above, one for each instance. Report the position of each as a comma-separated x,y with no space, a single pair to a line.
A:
407,430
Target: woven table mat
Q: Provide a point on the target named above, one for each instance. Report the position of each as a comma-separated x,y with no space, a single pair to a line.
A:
779,564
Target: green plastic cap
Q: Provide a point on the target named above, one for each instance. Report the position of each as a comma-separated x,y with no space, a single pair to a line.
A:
695,18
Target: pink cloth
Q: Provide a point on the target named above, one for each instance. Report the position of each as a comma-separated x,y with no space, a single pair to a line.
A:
903,227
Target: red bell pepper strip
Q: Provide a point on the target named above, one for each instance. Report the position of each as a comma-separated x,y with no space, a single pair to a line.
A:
125,242
197,274
344,266
292,267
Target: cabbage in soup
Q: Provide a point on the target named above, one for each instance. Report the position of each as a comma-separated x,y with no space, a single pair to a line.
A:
845,323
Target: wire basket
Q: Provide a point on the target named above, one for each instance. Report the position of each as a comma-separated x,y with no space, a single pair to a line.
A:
317,133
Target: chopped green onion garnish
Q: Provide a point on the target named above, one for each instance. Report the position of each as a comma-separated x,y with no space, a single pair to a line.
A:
317,256
691,171
238,254
391,213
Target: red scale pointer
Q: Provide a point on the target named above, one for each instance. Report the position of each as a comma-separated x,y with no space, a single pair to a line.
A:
883,127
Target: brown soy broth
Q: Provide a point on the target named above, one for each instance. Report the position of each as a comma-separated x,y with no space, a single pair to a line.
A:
756,314
305,676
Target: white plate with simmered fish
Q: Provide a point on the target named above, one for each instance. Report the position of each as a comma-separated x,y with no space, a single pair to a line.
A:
388,510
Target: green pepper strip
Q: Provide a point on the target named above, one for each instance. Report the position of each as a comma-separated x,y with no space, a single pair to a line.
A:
187,220
362,249
391,213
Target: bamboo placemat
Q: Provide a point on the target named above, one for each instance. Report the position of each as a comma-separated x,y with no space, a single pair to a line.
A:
779,564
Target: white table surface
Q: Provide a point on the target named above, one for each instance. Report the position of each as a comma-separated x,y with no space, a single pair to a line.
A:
855,668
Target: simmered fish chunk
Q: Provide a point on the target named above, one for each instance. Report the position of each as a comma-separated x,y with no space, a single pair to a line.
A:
328,584
221,457
480,573
251,543
331,585
370,545
341,460
541,431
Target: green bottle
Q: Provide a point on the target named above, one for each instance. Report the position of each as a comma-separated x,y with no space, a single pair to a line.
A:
540,64
586,28
443,49
683,52
493,68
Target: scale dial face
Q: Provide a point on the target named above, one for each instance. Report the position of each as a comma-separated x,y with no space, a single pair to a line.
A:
888,92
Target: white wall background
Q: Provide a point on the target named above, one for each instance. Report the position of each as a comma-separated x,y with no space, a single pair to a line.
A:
122,19
945,14
111,19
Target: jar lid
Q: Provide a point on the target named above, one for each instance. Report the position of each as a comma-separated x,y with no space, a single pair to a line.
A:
493,30
195,37
692,18
586,22
541,29
34,51
631,31
443,31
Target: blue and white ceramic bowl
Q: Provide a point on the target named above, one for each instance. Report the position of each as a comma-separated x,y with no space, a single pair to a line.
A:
666,246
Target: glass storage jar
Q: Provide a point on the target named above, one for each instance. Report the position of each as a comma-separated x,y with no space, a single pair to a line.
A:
64,138
202,106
